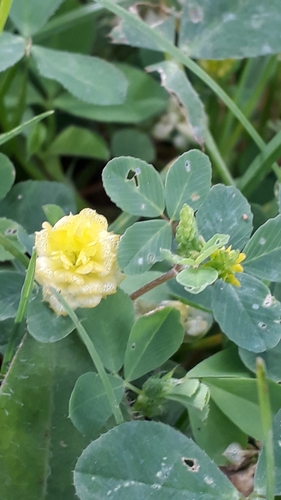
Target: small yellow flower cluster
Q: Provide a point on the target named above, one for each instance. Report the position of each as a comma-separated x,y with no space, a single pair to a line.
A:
77,257
227,262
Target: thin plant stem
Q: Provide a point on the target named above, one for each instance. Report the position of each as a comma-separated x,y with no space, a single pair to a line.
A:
95,357
24,299
153,284
266,418
218,161
5,6
133,388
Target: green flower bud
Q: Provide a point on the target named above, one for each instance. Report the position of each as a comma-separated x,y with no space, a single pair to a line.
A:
187,232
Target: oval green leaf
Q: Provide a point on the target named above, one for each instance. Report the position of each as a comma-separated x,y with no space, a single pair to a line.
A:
43,324
263,251
226,211
140,246
249,315
110,332
154,338
89,407
10,289
8,173
230,30
25,200
10,229
188,181
144,99
141,460
196,280
11,49
81,142
134,186
28,18
88,78
271,357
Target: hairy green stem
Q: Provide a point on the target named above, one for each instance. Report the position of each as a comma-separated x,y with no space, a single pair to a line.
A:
94,355
266,418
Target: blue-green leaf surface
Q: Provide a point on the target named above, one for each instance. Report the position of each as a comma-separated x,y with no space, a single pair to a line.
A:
140,246
248,315
144,99
226,29
271,357
225,210
88,78
196,280
8,173
43,324
188,181
25,201
134,186
10,290
40,445
148,460
108,326
154,338
89,407
11,50
263,251
28,17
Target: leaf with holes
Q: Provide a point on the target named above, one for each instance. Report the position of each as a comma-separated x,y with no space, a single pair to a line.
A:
174,79
134,186
89,407
140,246
141,460
226,211
263,251
153,339
248,315
188,181
196,280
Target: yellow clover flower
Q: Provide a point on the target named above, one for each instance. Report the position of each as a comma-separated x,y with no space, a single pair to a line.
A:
77,257
227,262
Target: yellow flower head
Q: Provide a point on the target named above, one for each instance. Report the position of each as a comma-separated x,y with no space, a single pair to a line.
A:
77,257
227,262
